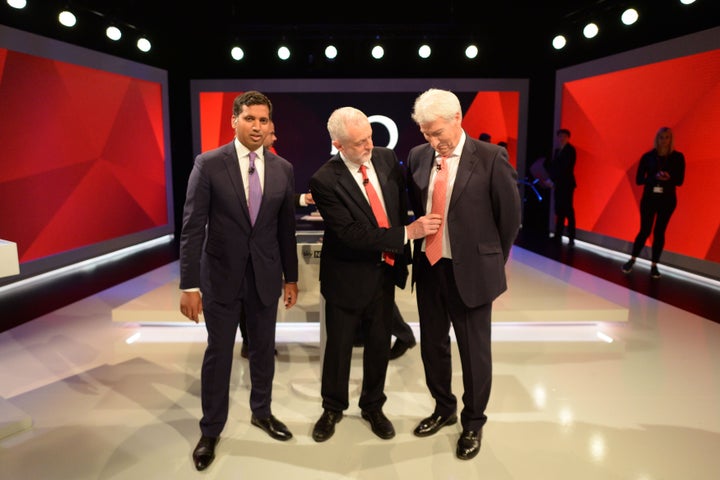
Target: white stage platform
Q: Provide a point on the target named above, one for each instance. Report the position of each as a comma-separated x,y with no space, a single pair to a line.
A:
535,296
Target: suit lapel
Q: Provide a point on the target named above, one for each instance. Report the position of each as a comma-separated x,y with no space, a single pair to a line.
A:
466,165
421,175
347,182
232,164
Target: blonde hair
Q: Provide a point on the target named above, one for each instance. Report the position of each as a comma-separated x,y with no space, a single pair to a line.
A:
662,130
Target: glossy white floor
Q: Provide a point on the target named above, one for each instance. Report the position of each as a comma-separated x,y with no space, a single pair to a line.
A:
636,399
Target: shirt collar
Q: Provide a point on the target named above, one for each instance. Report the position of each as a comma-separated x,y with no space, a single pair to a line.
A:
243,151
458,148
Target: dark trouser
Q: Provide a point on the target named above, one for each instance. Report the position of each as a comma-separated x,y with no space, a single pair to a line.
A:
221,322
400,329
564,210
341,325
439,307
654,208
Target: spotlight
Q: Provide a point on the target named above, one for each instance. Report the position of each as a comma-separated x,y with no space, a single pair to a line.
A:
687,2
471,51
283,53
590,30
113,33
237,53
377,52
143,44
19,4
424,51
330,52
67,18
629,16
559,42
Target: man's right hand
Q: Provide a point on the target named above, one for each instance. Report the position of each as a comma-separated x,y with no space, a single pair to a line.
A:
191,305
426,225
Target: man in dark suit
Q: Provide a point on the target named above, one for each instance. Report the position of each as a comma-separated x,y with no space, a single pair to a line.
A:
481,218
300,200
232,264
361,263
561,169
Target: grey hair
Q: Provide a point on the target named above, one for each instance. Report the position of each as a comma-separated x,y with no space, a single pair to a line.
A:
341,118
434,104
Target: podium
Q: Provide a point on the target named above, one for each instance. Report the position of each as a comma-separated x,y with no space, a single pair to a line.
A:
12,419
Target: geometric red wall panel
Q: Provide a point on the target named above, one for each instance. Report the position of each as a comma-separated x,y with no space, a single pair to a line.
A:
613,118
83,155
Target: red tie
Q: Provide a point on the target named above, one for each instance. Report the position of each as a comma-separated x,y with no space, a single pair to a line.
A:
433,243
377,209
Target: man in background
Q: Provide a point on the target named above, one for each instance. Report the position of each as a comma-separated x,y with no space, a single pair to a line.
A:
561,169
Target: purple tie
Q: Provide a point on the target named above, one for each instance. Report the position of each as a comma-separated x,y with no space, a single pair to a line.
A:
255,194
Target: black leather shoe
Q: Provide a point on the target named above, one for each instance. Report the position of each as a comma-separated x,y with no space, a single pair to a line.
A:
399,348
273,427
379,423
204,452
433,423
468,444
325,426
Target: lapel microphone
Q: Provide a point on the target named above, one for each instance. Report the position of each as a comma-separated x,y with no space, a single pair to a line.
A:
438,167
251,170
366,181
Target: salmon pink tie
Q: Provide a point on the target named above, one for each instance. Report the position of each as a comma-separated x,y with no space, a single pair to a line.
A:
377,209
433,243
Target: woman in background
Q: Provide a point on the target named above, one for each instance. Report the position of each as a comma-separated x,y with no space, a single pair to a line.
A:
660,171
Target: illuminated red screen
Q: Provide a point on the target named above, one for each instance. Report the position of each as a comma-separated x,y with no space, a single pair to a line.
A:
83,155
613,119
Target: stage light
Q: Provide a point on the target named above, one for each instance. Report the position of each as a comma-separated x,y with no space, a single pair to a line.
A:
590,30
283,53
377,52
113,33
330,52
237,53
559,42
67,18
143,44
471,51
629,16
687,2
424,51
19,4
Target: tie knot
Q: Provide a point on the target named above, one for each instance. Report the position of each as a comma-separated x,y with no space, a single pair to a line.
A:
252,156
363,170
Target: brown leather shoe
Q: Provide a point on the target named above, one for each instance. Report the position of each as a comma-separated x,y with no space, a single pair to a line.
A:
273,427
204,452
325,426
433,423
468,444
379,423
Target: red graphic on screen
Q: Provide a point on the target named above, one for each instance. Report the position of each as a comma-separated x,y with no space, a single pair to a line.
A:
613,119
494,112
83,155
